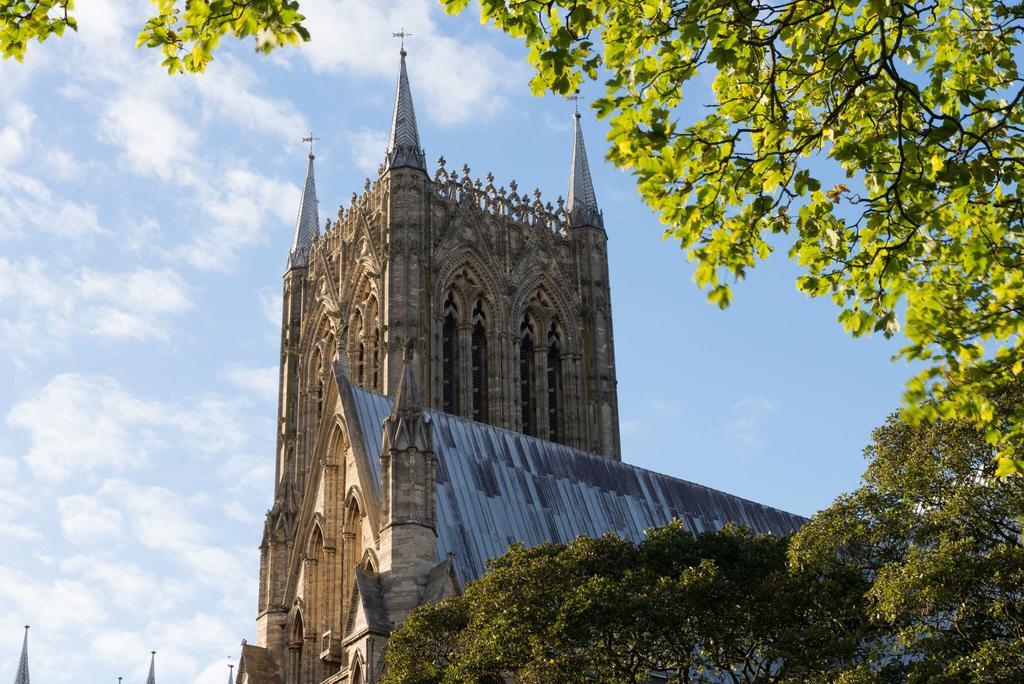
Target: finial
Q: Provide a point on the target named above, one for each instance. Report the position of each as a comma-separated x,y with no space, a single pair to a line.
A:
401,34
441,161
576,97
310,139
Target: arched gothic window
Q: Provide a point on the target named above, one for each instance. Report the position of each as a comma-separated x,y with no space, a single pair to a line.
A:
376,360
479,352
450,358
554,372
527,394
318,379
358,350
296,642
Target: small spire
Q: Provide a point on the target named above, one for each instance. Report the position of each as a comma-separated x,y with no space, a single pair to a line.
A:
307,226
408,427
151,679
22,675
231,674
404,144
582,202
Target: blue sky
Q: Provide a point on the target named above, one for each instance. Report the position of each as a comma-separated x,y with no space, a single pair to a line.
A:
144,223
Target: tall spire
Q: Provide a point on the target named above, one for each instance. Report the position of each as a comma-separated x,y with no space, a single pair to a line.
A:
22,675
151,679
308,222
404,144
231,674
582,204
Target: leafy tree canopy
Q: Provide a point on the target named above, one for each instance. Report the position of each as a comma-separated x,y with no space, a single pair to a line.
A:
937,533
187,31
721,606
882,142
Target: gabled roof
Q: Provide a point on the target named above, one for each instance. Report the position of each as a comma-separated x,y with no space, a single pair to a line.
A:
257,665
368,597
307,225
496,487
582,203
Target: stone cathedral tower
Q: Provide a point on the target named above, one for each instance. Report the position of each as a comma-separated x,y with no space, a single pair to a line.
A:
447,387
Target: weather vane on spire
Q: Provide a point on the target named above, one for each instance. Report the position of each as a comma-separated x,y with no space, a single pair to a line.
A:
310,139
403,35
575,98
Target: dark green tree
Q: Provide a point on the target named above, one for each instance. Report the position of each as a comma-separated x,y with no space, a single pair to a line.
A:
939,536
719,605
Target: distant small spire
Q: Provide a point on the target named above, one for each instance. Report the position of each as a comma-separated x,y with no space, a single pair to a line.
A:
582,203
404,144
22,675
231,674
307,226
151,679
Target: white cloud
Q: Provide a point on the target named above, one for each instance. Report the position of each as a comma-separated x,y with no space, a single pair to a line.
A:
240,211
271,303
746,425
79,424
42,306
152,138
15,133
367,148
230,89
262,382
29,207
86,521
453,80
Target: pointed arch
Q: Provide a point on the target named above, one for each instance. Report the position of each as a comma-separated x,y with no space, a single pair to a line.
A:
555,391
527,376
450,356
479,371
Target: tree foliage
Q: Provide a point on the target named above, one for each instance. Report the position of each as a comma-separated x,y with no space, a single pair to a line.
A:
721,606
937,533
187,31
880,141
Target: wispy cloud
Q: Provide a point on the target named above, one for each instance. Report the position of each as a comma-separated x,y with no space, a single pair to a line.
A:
453,80
746,423
43,307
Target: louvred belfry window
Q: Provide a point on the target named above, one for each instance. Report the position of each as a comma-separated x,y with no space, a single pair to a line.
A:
554,385
449,359
479,351
527,399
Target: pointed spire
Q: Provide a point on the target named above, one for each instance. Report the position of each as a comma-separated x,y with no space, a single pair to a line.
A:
404,145
151,679
307,226
231,674
22,675
582,204
408,427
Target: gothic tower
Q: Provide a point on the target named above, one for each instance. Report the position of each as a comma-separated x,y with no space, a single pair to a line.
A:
505,299
507,296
